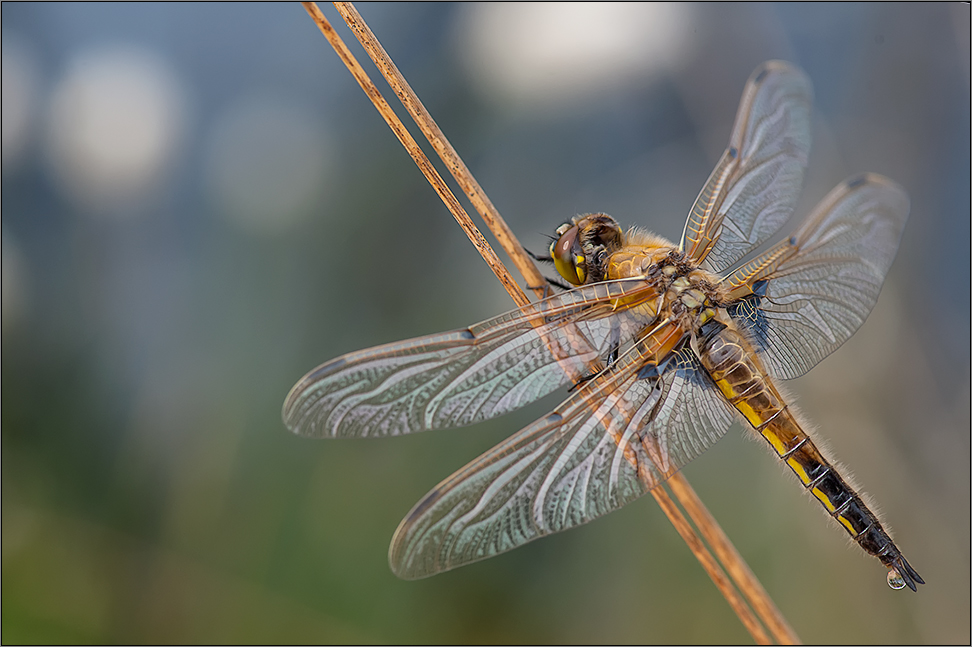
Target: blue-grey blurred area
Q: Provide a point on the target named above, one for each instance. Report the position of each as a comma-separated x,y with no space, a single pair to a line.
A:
199,205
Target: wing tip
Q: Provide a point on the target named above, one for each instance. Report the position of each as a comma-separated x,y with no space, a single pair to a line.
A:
401,558
289,411
871,178
777,66
292,412
902,201
798,83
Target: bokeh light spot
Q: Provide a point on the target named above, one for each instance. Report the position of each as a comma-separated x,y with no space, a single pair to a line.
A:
550,55
116,119
267,163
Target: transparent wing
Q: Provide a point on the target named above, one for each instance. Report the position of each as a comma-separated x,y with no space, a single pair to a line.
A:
756,183
465,376
809,294
614,439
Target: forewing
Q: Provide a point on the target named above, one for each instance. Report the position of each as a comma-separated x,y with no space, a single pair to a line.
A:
610,442
465,376
756,183
822,282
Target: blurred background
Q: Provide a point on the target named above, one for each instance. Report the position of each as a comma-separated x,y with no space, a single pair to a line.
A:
199,205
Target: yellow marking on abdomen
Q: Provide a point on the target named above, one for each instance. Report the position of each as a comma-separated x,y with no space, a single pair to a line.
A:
736,370
738,375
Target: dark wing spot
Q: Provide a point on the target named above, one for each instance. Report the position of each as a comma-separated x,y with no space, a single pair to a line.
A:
649,372
424,505
747,314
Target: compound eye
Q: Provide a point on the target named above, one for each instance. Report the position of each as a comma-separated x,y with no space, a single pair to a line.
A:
568,257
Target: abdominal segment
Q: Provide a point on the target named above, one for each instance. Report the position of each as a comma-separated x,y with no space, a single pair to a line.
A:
736,370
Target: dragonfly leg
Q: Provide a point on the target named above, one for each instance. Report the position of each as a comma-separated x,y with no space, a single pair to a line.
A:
539,258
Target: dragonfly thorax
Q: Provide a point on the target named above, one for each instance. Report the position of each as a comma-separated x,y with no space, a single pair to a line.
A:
686,293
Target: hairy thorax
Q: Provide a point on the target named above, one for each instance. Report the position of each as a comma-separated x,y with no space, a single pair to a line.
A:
685,293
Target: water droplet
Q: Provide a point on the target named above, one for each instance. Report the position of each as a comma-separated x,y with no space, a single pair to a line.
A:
895,581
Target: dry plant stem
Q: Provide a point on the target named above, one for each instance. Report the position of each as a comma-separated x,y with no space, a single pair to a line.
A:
504,235
526,266
418,156
738,570
711,567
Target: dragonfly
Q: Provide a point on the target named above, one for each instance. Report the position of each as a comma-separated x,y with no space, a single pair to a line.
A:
665,346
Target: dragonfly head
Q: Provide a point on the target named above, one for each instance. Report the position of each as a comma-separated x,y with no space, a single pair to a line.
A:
582,247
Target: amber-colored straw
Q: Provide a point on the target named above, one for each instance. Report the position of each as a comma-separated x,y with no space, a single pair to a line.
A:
738,571
420,159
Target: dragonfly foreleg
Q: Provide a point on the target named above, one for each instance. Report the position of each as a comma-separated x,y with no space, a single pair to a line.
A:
550,281
540,259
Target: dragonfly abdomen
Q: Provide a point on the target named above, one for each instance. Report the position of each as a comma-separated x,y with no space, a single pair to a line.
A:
736,370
